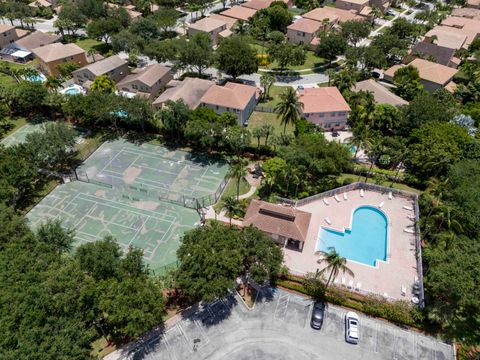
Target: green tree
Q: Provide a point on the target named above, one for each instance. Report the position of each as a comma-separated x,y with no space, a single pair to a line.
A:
65,69
238,171
332,44
197,52
103,84
53,83
232,206
289,109
353,31
103,29
166,20
407,82
174,116
70,19
27,98
235,57
335,264
286,54
267,79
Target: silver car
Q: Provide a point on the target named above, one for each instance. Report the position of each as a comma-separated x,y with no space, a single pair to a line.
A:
352,326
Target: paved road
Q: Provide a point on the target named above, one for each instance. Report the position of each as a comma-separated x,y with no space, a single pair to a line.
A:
278,328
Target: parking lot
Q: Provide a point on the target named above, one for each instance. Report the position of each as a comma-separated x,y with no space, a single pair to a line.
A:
279,328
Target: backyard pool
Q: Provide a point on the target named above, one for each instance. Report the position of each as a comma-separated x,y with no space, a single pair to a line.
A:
365,242
72,90
36,78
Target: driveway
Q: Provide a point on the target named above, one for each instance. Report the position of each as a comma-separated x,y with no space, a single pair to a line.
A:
279,328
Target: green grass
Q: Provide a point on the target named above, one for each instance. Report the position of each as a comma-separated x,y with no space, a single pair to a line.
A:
311,60
7,80
17,123
100,348
231,190
87,44
387,183
274,94
257,119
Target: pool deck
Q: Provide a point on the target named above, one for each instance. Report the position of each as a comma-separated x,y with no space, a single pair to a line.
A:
387,278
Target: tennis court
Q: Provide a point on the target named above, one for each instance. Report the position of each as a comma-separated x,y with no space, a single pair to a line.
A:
19,136
155,172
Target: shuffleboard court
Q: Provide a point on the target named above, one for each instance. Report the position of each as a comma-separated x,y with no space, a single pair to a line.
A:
95,211
19,136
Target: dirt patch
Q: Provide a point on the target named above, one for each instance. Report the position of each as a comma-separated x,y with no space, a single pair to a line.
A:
183,174
100,193
130,174
146,205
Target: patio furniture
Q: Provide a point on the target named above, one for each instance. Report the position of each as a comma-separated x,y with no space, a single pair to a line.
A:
343,281
350,284
336,198
328,221
359,286
409,231
362,192
390,195
404,290
407,207
325,201
381,204
345,197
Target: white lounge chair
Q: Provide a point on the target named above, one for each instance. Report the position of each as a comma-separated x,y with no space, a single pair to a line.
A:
404,290
390,195
362,193
385,295
381,204
411,217
409,231
345,197
327,220
343,281
335,281
326,202
350,284
336,198
359,286
408,208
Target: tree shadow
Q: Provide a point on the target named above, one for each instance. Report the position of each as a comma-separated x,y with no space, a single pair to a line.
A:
144,345
211,314
266,294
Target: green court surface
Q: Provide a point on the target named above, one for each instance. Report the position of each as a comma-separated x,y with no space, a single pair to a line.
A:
19,136
143,195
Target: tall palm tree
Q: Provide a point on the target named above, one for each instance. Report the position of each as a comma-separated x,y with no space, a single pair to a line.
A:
289,109
335,264
232,206
238,172
52,83
92,52
375,151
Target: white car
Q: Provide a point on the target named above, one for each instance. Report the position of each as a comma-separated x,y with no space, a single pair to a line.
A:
351,327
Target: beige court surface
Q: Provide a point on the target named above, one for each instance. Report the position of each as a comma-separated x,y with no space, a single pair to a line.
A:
386,278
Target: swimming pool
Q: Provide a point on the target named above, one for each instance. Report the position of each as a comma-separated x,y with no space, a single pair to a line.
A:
72,91
365,242
36,78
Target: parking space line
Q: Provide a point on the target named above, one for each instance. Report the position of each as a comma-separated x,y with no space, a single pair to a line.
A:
184,337
284,306
169,349
376,337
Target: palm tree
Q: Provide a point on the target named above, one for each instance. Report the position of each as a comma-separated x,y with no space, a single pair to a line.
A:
92,52
289,109
232,206
268,130
238,172
330,73
375,151
258,133
335,264
53,83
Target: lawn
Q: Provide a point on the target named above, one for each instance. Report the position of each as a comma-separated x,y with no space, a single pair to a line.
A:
231,190
387,183
274,93
17,123
311,60
87,44
257,119
7,80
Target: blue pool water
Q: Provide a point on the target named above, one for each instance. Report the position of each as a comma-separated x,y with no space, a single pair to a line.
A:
72,91
365,242
36,78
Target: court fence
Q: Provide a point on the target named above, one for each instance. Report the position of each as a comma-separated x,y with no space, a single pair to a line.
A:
163,270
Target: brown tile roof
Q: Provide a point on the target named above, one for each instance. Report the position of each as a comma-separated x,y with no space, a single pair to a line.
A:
357,2
332,14
37,39
103,66
225,33
305,25
277,219
451,87
447,37
461,25
57,51
207,24
5,27
442,55
470,13
228,20
190,90
325,99
433,72
38,3
149,76
390,72
239,12
232,95
380,93
473,3
257,4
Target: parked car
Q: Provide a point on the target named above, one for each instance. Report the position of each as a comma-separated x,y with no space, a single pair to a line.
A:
351,327
318,313
391,12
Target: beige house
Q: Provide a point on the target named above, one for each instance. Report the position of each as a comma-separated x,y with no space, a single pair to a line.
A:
464,26
304,32
52,55
113,66
7,35
355,5
447,37
211,26
473,4
190,91
262,4
287,226
432,75
331,16
148,82
227,20
235,98
239,13
380,93
380,4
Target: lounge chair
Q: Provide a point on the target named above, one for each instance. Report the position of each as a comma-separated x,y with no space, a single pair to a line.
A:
404,290
343,281
350,284
345,197
409,231
328,221
381,204
411,217
390,195
408,208
336,198
385,295
359,286
326,201
362,192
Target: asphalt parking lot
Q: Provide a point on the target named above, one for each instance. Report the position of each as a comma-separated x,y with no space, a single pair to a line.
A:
279,328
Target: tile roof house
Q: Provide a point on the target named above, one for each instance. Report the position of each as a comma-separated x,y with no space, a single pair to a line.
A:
52,55
210,26
380,93
40,3
35,40
7,35
262,4
304,32
147,82
467,12
446,36
356,5
473,4
114,66
325,107
285,225
432,75
228,20
333,15
235,98
239,13
462,25
439,54
190,90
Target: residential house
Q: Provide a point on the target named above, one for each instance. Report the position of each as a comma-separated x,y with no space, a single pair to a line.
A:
239,13
355,5
331,16
21,49
428,51
447,37
287,226
235,98
189,90
40,4
227,20
210,26
467,12
148,82
473,4
325,107
52,55
462,25
262,4
380,93
380,4
8,35
304,32
432,75
114,66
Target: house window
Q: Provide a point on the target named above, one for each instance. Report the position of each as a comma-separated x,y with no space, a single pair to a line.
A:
134,87
321,115
216,107
307,115
341,113
337,124
333,114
